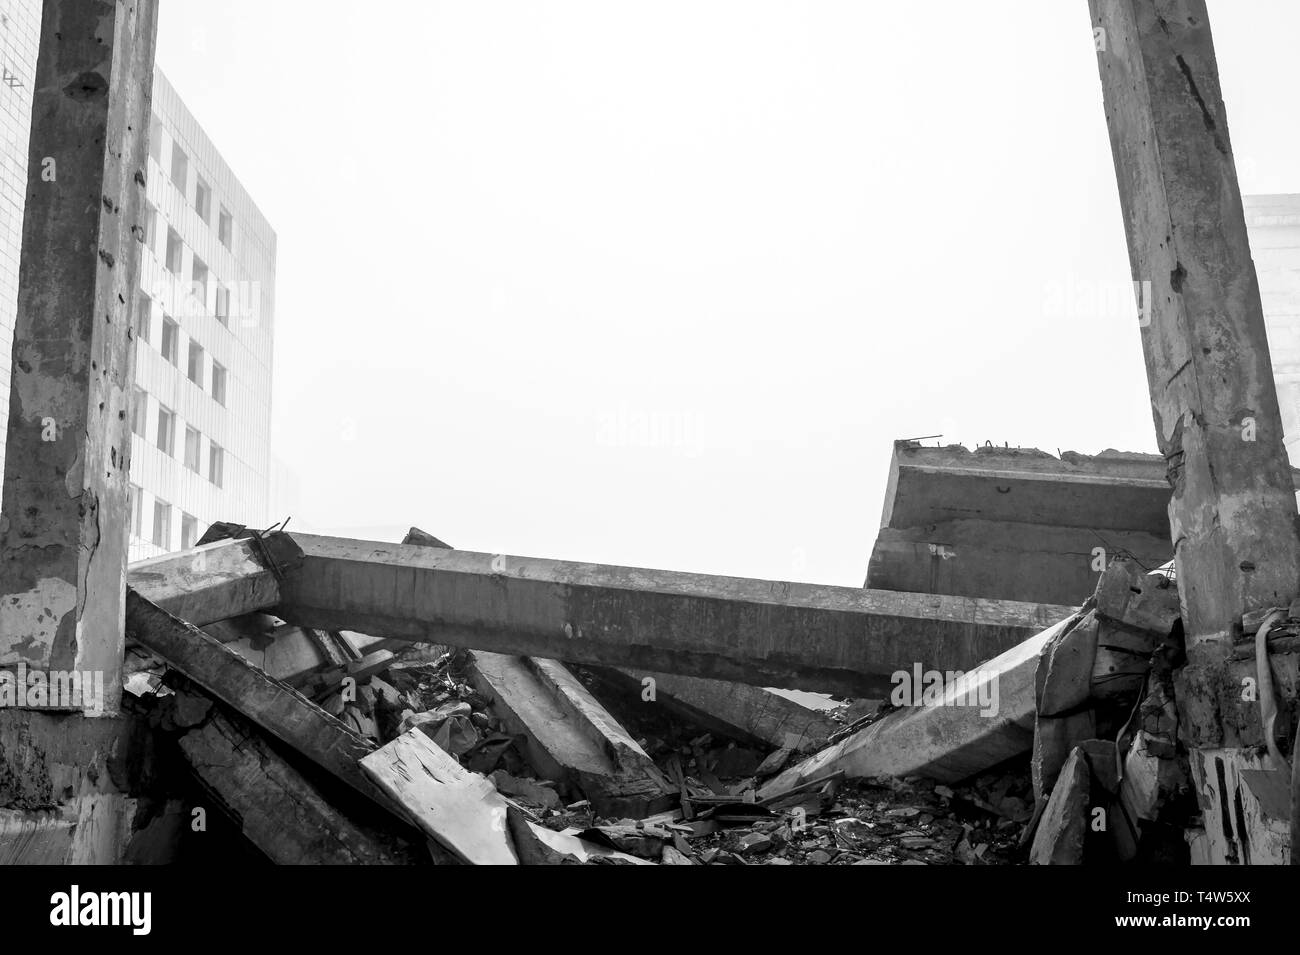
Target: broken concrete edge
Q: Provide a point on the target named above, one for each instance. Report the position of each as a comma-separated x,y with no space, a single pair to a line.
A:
948,740
217,581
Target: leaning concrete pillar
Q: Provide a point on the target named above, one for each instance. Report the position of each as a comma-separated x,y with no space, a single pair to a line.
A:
63,530
1232,510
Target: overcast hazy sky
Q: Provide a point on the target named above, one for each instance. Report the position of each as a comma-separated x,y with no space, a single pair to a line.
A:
659,283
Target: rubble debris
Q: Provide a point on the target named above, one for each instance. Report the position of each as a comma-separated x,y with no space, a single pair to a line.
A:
947,742
461,810
270,704
568,736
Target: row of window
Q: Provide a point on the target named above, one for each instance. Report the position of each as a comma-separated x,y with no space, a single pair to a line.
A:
169,347
162,522
173,262
165,438
180,170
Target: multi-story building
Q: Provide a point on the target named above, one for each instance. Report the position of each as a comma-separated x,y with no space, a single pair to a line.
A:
1273,224
203,318
204,323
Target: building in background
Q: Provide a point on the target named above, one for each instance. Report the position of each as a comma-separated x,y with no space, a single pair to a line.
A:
1273,224
203,316
204,325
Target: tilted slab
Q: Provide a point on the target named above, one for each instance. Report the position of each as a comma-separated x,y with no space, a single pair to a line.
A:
568,735
949,741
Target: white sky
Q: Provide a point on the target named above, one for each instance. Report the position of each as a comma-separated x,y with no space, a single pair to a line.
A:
659,283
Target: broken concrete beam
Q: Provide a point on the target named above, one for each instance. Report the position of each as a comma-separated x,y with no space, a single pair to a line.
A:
748,713
274,706
461,810
1016,523
224,579
766,633
949,741
568,736
276,808
1113,490
63,527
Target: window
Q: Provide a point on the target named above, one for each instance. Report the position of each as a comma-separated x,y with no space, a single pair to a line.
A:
202,198
174,247
143,316
216,464
166,436
180,166
171,340
195,367
155,139
150,224
219,384
137,509
225,227
199,274
139,411
192,449
189,530
162,524
223,305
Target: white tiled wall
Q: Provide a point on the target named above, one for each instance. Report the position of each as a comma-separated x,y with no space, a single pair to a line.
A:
244,346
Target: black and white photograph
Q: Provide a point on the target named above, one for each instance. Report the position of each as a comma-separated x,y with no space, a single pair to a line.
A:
814,433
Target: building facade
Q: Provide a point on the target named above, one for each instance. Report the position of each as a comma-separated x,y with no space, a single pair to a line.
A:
1273,224
203,318
204,325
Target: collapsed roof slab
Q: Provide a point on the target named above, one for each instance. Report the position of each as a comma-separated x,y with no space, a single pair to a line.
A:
766,633
1117,490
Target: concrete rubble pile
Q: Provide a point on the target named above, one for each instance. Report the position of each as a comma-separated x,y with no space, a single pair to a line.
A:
330,746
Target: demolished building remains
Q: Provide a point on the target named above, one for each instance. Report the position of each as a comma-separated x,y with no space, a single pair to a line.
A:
339,701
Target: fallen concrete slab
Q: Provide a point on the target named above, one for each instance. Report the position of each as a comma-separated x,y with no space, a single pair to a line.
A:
748,713
568,736
766,633
948,741
275,807
461,810
1016,523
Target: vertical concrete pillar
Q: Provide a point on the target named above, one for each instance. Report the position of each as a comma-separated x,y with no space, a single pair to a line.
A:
1232,509
63,526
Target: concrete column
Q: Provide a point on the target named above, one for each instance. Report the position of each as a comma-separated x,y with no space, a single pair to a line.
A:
1232,509
63,530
